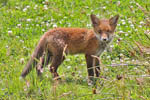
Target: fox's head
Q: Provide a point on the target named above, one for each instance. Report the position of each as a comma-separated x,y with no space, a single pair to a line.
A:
104,28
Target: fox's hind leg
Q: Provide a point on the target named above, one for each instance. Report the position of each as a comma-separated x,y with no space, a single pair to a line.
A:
58,48
56,61
44,61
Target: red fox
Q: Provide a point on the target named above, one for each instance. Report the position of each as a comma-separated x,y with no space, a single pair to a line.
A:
75,40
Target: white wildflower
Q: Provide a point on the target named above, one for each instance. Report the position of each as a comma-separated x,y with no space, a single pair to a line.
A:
111,46
120,39
123,23
21,41
88,25
35,7
9,32
132,25
126,34
118,3
55,25
52,19
45,7
121,31
68,59
47,24
25,9
141,22
19,25
22,60
123,20
69,67
121,60
65,17
28,6
17,7
104,7
17,36
129,21
131,6
42,22
43,30
28,20
140,26
108,57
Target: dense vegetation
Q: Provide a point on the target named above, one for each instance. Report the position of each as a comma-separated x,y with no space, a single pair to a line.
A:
125,68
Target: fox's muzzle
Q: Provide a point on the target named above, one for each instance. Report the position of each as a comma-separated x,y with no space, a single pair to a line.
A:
104,37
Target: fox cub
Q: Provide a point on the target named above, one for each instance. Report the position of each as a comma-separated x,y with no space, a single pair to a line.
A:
54,43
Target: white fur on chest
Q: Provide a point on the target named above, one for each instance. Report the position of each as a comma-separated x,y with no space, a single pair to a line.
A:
102,45
100,50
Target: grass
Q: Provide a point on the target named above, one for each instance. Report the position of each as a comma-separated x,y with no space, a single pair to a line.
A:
23,22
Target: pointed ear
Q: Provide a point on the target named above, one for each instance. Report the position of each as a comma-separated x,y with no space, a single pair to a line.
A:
113,21
94,20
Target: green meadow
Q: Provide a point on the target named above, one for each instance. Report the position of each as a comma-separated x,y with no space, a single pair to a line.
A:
125,66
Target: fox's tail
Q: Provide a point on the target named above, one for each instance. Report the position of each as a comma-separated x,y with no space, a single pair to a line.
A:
35,56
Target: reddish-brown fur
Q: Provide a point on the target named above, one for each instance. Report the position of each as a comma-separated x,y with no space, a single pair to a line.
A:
77,40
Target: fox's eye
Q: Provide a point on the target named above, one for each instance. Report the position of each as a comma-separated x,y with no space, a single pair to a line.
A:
108,31
99,31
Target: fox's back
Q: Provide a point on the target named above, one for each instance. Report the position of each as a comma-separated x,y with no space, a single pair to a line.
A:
76,39
72,33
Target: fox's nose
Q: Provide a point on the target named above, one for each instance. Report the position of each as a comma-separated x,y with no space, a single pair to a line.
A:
104,39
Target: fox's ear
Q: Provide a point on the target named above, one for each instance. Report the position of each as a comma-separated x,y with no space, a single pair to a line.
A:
113,21
94,20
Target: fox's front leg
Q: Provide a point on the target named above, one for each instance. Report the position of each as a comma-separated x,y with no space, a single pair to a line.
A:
92,65
97,67
89,61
